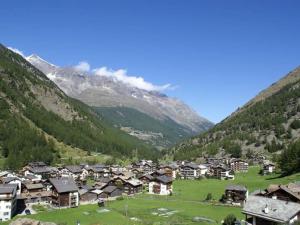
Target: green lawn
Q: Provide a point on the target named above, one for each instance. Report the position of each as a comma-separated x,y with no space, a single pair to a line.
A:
198,190
185,204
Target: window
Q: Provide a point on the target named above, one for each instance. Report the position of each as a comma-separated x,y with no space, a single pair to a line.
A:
6,213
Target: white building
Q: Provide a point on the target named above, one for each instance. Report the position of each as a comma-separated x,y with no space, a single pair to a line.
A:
203,170
161,185
189,171
8,201
268,167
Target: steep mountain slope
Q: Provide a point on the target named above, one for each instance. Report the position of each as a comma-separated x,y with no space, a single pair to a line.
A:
34,112
267,124
142,126
103,91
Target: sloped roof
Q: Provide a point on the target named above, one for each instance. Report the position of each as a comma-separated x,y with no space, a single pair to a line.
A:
64,184
9,179
278,211
109,189
164,179
191,165
148,176
74,169
134,182
42,169
8,188
236,188
30,186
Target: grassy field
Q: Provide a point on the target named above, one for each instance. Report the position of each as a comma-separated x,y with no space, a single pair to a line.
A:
186,203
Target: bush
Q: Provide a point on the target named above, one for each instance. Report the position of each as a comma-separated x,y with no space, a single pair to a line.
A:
120,198
208,197
230,220
295,124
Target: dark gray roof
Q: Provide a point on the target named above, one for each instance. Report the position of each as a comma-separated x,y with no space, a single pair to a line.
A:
64,184
104,179
148,176
109,189
8,188
9,179
278,211
74,169
164,179
36,164
31,176
96,169
191,165
159,172
42,169
236,188
87,187
172,166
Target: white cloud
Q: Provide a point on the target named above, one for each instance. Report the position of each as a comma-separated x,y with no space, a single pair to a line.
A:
83,66
134,81
17,51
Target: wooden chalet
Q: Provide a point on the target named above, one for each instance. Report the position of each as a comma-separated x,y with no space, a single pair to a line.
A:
64,192
236,194
111,192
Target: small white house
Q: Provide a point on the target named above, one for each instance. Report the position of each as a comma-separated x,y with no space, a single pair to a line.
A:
268,168
161,185
8,201
203,170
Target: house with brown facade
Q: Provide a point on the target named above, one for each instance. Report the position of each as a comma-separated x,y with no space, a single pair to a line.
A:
236,194
289,192
239,165
132,186
64,192
222,172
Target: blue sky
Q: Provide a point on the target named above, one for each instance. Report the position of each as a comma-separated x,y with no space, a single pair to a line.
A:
219,54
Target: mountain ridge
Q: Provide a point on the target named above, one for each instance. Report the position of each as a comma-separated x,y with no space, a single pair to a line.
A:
102,91
33,107
266,125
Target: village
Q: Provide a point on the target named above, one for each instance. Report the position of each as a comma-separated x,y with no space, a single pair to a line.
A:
74,185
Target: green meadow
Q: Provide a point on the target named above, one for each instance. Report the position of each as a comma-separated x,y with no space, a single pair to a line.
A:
186,206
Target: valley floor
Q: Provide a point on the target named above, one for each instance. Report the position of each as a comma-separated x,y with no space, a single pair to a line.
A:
182,207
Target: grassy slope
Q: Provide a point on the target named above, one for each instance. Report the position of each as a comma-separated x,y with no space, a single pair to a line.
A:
187,200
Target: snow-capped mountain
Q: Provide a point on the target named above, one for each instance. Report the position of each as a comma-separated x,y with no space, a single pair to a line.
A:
104,91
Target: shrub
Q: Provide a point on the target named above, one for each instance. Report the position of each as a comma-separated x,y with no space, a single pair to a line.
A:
208,197
120,198
295,124
230,220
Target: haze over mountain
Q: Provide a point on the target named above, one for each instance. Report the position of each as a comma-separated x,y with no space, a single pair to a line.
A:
266,125
141,111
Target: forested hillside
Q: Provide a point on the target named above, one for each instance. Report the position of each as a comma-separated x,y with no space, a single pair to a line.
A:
33,109
158,133
267,124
